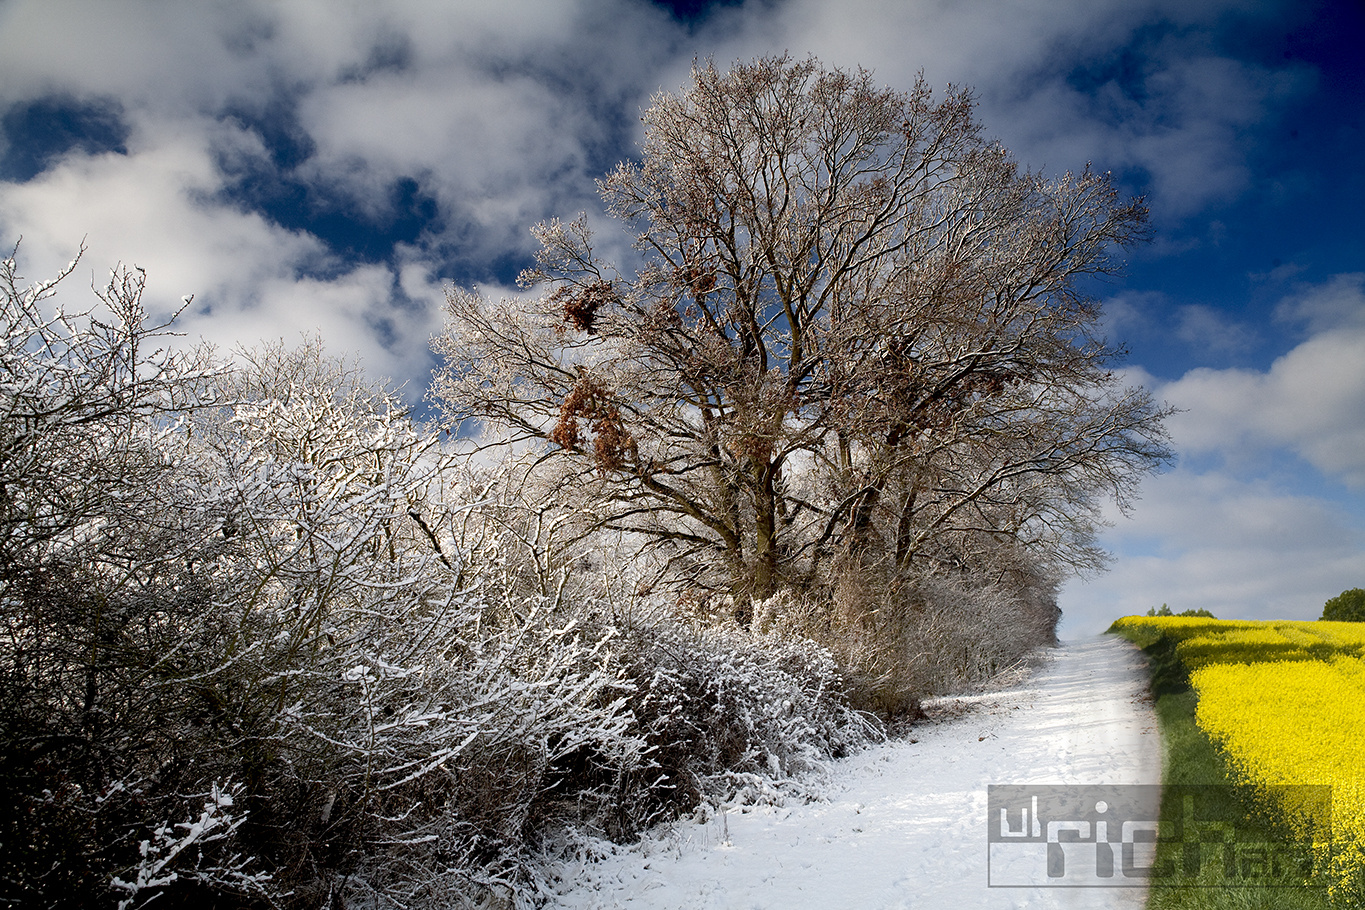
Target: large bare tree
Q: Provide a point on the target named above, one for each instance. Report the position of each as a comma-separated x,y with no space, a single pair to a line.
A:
856,327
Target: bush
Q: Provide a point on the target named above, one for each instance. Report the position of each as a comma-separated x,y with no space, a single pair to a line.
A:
718,705
901,639
259,650
239,665
1348,606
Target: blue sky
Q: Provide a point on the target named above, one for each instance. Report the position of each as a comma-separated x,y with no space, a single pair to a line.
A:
313,167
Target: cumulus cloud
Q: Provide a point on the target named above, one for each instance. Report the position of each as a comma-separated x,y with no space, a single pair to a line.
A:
1240,528
1311,401
1137,87
265,147
497,114
1239,547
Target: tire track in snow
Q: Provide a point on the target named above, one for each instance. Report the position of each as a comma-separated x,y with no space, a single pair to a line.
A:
903,825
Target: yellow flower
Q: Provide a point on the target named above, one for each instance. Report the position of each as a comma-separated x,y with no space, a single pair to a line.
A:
1285,701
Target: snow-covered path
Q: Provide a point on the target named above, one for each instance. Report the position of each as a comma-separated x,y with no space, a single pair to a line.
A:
905,823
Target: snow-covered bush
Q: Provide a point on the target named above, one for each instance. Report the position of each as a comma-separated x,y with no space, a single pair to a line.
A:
97,587
717,703
413,708
214,575
174,855
899,639
967,629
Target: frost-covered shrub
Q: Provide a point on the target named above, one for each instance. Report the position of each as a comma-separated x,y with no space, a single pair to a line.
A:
410,708
450,762
173,857
900,639
713,702
213,578
966,629
103,598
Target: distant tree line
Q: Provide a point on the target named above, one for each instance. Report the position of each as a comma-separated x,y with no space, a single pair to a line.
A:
1164,610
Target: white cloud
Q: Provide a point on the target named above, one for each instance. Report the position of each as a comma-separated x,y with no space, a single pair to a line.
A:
152,207
1311,402
1175,109
500,99
491,151
1132,313
1240,548
155,208
1241,528
1335,304
1213,330
172,56
507,110
501,110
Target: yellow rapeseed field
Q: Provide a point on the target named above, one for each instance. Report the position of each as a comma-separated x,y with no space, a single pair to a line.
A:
1285,701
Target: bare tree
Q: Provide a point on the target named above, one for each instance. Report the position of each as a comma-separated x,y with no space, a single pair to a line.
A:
858,325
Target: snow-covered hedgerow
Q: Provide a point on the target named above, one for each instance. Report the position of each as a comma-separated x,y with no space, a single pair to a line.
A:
719,704
900,638
265,642
399,714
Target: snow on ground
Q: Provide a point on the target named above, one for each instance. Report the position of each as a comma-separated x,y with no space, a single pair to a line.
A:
904,824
